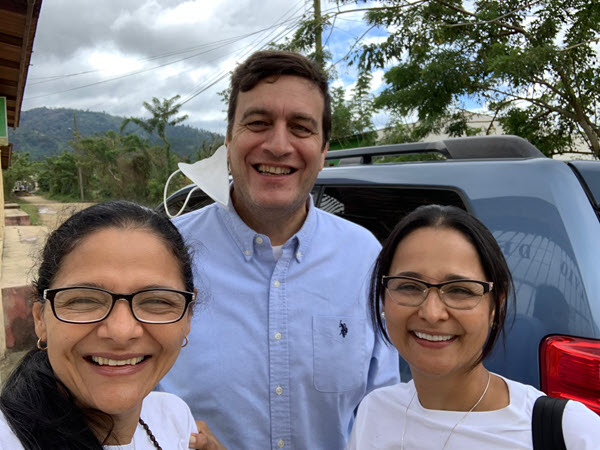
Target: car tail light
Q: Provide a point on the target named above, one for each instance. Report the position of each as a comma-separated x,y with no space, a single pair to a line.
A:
570,368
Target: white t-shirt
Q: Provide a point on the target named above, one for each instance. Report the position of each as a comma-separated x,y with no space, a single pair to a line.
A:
381,415
168,417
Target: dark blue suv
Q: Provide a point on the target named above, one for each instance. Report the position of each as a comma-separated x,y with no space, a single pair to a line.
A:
545,214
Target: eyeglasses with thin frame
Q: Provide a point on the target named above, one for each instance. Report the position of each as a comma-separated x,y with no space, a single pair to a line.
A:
456,294
80,304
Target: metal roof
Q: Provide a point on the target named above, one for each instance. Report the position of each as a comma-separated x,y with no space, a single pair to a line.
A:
18,22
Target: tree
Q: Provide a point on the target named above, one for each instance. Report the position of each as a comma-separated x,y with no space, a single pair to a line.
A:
163,114
207,148
20,169
352,120
115,166
531,62
58,176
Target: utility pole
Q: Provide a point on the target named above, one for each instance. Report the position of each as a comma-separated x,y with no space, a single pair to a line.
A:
318,31
77,151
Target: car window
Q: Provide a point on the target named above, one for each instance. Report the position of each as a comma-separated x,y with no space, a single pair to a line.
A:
588,173
380,208
197,200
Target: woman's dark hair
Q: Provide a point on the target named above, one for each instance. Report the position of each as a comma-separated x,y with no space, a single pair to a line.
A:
113,214
268,63
492,260
38,406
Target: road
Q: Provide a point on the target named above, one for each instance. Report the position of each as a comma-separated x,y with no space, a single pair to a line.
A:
23,244
53,213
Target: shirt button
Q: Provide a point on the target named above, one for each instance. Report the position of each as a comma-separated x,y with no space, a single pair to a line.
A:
298,254
247,252
278,335
280,443
279,390
276,284
259,240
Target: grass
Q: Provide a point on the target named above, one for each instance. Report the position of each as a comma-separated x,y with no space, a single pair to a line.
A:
61,198
31,210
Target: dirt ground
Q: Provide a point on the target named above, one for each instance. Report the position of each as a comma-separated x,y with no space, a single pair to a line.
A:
53,213
7,363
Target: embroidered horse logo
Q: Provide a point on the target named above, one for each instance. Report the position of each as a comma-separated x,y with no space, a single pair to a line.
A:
343,329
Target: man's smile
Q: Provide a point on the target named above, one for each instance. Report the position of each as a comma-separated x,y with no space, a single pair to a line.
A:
273,170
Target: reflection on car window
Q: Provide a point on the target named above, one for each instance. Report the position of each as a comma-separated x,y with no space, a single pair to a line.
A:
379,208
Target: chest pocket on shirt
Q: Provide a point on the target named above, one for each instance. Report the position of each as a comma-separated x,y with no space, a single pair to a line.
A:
340,353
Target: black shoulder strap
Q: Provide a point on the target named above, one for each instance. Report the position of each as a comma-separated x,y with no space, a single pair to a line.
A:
546,423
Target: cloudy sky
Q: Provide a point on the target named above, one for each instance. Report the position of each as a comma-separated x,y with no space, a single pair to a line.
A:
112,55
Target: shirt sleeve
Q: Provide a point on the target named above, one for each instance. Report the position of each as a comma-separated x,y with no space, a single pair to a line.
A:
581,427
354,440
384,368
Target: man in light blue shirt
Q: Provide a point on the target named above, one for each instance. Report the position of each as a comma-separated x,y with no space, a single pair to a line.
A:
282,351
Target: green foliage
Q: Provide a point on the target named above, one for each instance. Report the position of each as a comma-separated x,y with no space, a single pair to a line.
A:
31,210
433,156
304,39
58,176
540,130
351,120
225,94
537,57
208,148
341,115
20,169
399,133
109,165
113,166
162,115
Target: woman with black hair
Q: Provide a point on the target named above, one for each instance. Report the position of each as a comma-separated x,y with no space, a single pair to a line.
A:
112,309
439,293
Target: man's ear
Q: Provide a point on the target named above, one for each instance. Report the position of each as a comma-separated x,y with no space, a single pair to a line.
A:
323,154
38,319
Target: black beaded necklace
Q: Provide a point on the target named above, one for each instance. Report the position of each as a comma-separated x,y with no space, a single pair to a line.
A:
150,435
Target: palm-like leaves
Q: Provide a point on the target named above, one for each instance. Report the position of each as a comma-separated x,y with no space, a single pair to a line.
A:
163,114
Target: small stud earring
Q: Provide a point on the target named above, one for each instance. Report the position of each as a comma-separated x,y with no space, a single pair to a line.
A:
383,315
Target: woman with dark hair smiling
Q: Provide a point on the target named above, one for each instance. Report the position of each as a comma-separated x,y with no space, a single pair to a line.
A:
113,306
439,293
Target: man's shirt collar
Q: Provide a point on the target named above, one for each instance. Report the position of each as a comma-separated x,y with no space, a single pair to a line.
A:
247,239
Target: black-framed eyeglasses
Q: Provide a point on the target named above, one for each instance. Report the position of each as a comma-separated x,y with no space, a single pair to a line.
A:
80,304
456,294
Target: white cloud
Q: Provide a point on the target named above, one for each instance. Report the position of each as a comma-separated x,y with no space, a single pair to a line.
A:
112,55
111,64
191,12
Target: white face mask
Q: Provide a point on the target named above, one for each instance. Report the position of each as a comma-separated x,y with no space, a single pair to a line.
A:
209,174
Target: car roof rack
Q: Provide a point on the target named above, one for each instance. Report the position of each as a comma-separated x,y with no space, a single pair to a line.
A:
475,147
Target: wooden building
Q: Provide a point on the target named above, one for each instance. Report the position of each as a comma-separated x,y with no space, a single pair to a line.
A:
18,22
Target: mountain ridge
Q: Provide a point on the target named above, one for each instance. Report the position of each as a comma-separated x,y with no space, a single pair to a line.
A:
46,132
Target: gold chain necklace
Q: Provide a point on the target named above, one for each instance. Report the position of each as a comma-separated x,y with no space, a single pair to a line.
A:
457,423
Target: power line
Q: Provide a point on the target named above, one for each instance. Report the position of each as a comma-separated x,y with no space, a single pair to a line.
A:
217,77
216,45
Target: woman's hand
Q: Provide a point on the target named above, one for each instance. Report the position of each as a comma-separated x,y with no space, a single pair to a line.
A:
204,439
